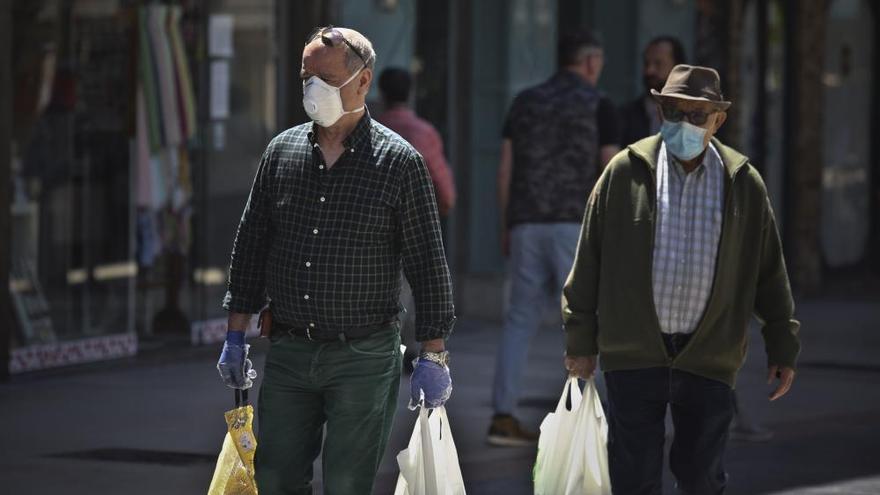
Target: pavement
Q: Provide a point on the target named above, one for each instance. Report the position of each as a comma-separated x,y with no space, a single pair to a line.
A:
153,424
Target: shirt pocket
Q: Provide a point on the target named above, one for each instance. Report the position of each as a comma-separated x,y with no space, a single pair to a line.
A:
368,219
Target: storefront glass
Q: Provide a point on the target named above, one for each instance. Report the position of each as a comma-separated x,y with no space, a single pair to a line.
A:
73,270
235,141
106,127
760,97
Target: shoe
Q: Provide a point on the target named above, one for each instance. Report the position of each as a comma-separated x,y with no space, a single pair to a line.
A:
748,433
506,431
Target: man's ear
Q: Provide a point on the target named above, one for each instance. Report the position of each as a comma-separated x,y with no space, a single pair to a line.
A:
722,117
364,81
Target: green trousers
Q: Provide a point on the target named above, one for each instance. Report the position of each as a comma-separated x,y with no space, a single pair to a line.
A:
351,388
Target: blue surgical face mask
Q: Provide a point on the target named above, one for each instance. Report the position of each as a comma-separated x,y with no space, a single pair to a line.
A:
684,140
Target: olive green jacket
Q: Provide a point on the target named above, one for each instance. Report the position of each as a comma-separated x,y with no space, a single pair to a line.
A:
608,303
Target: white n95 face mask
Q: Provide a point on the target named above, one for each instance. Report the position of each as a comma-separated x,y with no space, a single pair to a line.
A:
322,102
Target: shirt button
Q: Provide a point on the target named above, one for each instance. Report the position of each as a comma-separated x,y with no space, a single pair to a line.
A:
321,167
306,297
308,264
316,233
351,150
323,199
312,325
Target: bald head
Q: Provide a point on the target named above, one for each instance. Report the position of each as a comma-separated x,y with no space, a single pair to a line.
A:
357,51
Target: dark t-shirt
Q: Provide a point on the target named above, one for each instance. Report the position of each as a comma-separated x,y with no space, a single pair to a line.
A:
607,119
609,123
557,129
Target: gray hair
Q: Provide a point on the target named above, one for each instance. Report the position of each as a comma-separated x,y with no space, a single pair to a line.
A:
353,61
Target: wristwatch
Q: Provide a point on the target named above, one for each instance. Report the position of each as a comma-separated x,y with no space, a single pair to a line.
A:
441,358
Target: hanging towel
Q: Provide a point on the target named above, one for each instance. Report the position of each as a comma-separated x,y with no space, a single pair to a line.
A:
142,139
147,76
165,72
185,94
184,176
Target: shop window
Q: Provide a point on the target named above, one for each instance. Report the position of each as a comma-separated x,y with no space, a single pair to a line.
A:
848,93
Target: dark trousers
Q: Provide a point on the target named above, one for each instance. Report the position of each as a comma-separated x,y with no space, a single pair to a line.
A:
351,387
702,410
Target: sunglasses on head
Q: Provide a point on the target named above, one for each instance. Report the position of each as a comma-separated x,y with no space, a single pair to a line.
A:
696,117
331,36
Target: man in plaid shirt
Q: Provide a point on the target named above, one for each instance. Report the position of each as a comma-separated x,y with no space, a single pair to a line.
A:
337,207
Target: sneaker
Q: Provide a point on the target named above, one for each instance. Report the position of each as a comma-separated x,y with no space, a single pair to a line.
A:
506,431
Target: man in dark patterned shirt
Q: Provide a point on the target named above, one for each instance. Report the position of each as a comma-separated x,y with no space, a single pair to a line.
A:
338,206
557,136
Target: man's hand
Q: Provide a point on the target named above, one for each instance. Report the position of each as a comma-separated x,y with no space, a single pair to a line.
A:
430,381
582,367
235,368
786,378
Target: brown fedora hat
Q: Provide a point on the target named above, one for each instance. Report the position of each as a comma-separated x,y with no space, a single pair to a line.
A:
695,83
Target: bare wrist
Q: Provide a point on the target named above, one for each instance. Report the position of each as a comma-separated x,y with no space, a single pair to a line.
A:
436,345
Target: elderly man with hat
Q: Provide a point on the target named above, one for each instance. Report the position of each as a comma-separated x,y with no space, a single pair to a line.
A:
679,248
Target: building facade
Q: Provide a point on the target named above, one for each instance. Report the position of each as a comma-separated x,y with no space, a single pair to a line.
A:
125,187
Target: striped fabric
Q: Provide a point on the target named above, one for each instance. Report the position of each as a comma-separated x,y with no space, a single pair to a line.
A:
688,229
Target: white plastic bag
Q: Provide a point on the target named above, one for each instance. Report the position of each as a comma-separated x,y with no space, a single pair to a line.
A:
572,448
555,442
429,465
591,450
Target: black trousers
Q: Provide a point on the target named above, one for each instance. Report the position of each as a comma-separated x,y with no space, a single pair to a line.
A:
702,410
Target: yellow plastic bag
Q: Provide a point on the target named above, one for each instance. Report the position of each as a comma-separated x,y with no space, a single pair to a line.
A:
234,474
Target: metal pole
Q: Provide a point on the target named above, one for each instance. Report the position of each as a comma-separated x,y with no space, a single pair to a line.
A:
5,183
760,141
459,136
874,196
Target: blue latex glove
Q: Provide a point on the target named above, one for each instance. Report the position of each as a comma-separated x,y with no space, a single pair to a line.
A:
235,368
429,382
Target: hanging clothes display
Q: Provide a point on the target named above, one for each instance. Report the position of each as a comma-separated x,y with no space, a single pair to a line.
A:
166,124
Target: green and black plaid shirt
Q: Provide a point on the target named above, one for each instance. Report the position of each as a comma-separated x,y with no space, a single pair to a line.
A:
326,246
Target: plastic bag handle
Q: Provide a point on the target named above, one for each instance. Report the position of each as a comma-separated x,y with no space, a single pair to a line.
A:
241,397
568,393
591,394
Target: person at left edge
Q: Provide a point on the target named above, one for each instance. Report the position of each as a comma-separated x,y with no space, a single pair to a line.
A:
337,206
